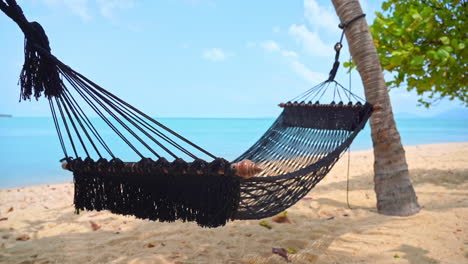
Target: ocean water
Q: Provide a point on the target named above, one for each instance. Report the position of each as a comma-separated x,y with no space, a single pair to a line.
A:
30,150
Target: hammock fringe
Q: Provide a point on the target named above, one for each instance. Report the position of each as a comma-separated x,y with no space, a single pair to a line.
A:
158,190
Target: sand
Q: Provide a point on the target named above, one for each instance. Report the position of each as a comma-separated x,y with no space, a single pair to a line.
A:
38,224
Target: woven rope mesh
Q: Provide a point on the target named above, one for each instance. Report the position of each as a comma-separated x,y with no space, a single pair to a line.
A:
294,159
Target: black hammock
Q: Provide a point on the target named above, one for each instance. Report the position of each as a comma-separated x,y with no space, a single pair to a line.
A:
295,153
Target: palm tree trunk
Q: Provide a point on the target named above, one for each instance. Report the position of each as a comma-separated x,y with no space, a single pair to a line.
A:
395,193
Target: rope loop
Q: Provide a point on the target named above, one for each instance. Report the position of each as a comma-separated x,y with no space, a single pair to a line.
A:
343,26
338,47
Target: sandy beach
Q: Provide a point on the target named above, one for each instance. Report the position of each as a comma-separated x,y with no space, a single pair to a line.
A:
38,224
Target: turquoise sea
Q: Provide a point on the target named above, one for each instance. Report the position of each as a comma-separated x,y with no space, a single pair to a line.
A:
30,150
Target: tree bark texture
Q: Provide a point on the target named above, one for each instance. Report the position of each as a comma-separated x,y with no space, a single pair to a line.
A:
395,193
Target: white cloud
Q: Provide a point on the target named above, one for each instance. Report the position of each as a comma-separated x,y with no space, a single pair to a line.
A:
288,53
107,7
325,17
292,59
306,73
77,7
320,16
84,8
215,54
250,44
311,41
200,2
273,46
270,45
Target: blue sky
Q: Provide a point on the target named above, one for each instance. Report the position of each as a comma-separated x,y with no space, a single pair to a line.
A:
190,58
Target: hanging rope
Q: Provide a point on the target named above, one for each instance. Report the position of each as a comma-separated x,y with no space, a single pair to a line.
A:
347,178
42,73
339,45
316,93
344,26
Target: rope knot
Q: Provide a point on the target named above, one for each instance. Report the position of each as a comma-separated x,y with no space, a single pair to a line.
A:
346,24
40,71
38,36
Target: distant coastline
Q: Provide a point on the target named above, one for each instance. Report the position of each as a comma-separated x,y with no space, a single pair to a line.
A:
3,115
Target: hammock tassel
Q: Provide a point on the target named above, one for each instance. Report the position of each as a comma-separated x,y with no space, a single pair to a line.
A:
40,71
158,190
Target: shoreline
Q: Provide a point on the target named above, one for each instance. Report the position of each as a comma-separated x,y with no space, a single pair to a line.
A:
42,226
352,152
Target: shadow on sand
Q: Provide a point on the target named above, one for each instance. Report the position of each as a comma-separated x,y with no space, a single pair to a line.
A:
151,242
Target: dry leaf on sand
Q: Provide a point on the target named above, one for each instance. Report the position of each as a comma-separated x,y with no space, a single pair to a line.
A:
281,218
265,224
23,238
94,226
282,252
151,245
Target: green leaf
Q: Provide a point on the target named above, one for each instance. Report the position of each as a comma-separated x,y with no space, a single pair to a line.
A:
396,60
396,256
398,31
283,214
417,60
412,81
423,45
427,11
417,16
445,40
449,49
454,43
265,224
386,5
379,15
432,54
443,54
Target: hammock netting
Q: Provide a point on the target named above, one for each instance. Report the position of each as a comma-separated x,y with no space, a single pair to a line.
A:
295,153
